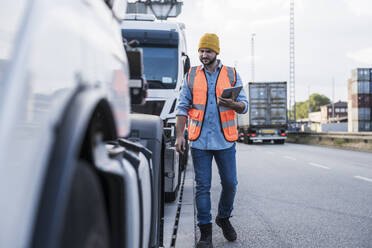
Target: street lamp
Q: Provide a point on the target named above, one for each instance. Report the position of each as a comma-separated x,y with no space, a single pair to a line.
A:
252,55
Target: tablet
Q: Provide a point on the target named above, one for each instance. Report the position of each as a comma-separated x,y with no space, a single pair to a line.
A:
232,92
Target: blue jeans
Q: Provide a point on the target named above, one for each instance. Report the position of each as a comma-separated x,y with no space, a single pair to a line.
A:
226,163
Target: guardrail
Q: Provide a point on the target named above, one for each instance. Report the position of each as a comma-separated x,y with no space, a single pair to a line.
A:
356,141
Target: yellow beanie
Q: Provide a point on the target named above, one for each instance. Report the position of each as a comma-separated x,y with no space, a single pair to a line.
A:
210,41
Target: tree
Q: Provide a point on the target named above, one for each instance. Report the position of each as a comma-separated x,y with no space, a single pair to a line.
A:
316,100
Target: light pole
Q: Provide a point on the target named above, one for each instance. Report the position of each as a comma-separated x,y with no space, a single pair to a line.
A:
292,100
252,53
309,109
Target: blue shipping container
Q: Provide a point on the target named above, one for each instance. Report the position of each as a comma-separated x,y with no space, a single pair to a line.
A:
361,74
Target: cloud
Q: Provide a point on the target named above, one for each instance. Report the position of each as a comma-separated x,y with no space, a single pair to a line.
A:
332,38
269,22
363,56
360,7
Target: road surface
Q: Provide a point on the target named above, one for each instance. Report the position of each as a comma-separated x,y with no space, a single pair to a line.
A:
299,196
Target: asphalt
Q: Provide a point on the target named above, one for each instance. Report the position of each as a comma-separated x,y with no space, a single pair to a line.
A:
291,196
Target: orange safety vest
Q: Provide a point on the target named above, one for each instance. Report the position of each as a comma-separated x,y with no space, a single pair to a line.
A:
197,82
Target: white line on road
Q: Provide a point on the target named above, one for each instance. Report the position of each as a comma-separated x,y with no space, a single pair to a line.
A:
363,178
319,166
288,157
358,163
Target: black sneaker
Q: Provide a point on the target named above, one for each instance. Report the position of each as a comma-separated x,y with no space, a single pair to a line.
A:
205,236
227,229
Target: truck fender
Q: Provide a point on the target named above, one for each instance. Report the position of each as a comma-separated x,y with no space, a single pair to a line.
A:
69,135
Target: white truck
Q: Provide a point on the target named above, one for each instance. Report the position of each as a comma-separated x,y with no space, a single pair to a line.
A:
68,176
165,62
266,118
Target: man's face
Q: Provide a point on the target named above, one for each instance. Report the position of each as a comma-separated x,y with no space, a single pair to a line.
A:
207,56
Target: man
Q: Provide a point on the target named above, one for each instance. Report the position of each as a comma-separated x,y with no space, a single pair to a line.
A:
213,132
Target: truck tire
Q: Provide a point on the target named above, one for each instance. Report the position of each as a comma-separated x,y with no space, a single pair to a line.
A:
86,223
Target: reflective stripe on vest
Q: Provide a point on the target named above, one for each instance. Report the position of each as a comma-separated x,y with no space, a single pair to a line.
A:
198,85
232,75
191,78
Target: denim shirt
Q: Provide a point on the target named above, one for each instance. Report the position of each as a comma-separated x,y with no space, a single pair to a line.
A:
211,136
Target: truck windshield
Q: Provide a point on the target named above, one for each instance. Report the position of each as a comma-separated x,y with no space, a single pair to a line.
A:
160,66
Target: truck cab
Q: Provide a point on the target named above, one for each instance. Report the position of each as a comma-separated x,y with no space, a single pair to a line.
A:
165,61
164,55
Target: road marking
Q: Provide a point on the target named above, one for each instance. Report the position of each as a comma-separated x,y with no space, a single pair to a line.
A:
358,163
288,157
364,178
319,166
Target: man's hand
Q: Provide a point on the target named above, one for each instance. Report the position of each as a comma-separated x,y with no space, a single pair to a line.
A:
226,102
180,129
230,103
180,144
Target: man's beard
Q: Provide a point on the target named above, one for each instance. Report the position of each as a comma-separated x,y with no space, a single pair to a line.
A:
210,62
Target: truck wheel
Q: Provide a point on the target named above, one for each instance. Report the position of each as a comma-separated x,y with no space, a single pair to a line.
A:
86,222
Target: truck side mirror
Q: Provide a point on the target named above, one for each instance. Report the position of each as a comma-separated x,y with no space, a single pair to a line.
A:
186,63
138,90
133,43
137,82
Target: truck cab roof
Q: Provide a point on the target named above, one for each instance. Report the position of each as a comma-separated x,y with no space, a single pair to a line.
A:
148,22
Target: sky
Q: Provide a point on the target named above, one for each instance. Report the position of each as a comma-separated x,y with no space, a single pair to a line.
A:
332,37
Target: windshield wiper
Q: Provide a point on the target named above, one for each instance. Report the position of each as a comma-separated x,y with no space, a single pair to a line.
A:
157,84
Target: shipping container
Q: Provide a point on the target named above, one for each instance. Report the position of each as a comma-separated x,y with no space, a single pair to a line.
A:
363,87
349,93
364,126
364,114
361,74
361,100
267,113
355,126
349,115
354,114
